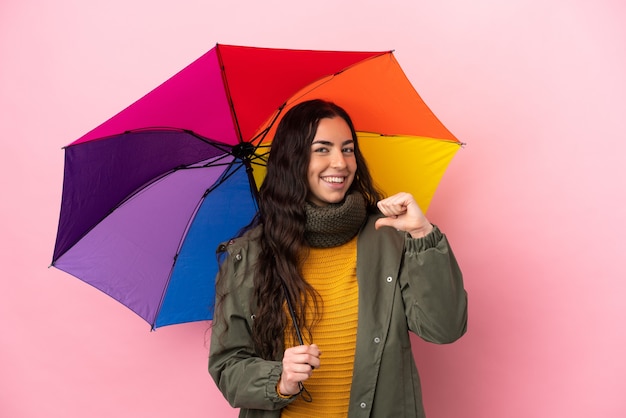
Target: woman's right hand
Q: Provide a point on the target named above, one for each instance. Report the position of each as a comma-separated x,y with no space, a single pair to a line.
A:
298,365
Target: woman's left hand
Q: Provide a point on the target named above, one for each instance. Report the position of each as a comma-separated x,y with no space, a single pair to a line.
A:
404,214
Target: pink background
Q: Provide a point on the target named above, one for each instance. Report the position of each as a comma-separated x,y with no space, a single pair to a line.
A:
533,205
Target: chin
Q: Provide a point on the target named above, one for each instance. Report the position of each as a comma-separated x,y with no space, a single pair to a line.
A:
335,199
326,200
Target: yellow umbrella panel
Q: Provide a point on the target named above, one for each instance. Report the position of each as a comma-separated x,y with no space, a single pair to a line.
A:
407,164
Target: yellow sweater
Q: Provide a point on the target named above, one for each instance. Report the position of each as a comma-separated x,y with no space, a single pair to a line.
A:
332,273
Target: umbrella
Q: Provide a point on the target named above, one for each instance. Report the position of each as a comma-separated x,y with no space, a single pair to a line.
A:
149,194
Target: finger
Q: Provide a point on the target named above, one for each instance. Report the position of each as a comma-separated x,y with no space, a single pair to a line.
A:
314,362
392,208
312,349
297,360
300,369
298,349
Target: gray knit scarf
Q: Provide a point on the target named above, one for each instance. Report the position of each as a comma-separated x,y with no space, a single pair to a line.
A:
335,224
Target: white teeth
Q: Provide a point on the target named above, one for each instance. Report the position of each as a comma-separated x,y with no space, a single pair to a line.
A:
333,179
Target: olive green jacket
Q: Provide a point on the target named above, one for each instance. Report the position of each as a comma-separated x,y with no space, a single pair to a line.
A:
405,284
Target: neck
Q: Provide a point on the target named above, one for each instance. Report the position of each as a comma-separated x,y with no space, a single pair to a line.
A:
335,224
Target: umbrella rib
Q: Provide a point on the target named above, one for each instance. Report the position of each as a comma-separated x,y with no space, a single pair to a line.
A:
175,259
226,149
119,204
228,173
326,79
261,135
251,155
227,91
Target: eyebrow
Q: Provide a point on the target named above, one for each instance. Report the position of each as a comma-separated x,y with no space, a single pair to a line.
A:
326,142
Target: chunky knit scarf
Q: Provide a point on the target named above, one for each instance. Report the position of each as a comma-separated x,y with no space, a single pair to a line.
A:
335,224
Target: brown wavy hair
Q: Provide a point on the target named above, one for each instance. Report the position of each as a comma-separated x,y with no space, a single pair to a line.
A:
282,214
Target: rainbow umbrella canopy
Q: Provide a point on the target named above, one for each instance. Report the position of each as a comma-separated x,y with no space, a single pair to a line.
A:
150,194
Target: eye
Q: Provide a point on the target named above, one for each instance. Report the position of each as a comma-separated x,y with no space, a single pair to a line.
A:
348,150
320,150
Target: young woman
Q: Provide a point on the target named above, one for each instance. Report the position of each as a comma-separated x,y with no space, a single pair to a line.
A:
315,301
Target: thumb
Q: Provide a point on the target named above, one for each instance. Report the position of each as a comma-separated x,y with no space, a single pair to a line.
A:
384,222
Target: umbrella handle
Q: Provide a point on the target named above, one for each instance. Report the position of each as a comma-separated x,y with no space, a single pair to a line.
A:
292,313
306,396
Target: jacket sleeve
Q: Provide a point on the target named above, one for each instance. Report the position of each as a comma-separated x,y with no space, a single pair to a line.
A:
432,289
246,380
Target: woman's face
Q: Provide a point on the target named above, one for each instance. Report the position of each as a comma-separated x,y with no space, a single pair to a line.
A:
333,164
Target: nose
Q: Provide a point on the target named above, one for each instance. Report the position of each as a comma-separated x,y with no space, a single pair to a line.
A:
338,160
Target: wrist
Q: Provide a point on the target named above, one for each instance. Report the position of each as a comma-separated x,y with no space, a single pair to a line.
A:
282,393
421,232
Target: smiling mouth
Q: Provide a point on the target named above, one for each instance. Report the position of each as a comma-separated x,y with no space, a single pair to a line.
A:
334,180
